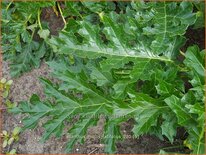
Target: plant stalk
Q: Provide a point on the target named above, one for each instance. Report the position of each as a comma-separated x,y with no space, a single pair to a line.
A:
183,54
60,10
9,5
39,20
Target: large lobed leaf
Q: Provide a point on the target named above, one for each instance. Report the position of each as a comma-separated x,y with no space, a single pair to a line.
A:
93,103
146,33
163,32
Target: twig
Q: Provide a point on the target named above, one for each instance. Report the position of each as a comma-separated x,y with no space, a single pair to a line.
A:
93,151
96,145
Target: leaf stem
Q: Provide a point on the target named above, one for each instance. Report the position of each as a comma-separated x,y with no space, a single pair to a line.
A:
32,35
25,23
198,8
38,18
183,54
60,10
9,5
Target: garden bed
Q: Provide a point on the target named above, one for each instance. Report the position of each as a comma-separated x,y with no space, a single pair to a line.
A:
26,83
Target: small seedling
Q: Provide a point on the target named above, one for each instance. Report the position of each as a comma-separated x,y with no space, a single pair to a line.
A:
6,138
10,104
10,138
13,151
5,87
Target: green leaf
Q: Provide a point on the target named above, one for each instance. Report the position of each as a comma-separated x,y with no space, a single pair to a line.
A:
5,142
4,132
13,151
119,89
102,78
196,140
94,48
98,7
195,60
196,135
3,80
10,141
184,118
164,88
140,68
44,33
78,131
194,126
200,22
52,91
144,109
34,107
145,118
123,43
9,83
80,83
5,94
65,108
27,58
169,126
18,28
16,131
171,20
111,135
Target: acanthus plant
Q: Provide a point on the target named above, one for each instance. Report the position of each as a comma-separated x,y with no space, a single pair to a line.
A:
20,27
124,65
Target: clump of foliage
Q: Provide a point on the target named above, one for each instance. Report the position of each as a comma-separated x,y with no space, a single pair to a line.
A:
20,24
5,87
9,139
120,60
